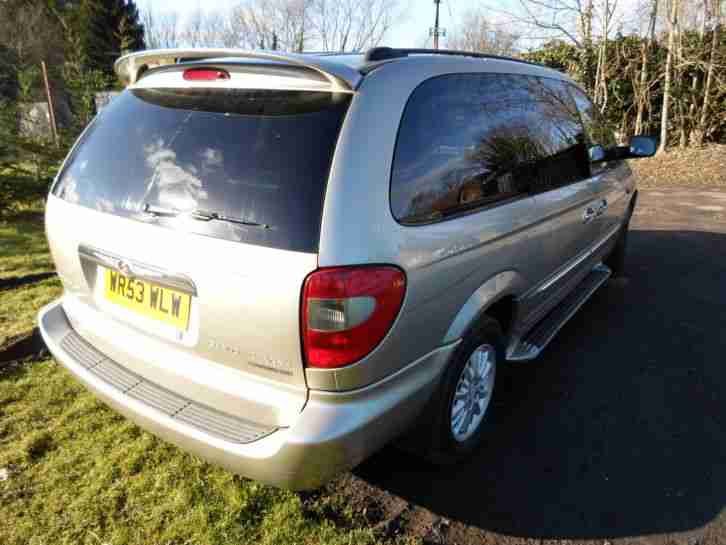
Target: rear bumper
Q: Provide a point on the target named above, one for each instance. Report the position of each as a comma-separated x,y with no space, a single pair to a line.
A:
334,431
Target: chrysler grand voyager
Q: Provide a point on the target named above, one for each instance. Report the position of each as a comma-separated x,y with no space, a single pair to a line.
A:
282,262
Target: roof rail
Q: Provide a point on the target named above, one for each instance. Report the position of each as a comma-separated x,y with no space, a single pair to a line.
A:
388,53
340,76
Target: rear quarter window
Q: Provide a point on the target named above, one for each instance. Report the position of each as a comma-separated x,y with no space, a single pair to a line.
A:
255,156
467,141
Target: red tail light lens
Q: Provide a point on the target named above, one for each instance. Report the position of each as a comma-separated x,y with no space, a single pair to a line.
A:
205,74
346,312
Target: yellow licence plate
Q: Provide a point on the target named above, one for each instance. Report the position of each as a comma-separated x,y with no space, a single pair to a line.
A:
159,303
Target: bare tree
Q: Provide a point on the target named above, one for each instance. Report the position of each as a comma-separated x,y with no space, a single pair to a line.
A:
607,12
161,29
259,23
702,121
350,25
550,19
665,112
195,32
641,87
477,33
579,22
296,25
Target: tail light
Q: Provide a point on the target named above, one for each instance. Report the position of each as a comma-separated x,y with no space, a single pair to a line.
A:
346,312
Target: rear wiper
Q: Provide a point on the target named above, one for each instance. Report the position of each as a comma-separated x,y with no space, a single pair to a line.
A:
201,215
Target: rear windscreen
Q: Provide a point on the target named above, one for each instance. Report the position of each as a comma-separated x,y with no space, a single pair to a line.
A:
254,163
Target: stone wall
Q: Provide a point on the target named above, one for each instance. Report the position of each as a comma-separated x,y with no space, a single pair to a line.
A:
34,120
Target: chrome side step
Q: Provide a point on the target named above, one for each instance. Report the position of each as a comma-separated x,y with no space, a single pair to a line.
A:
540,335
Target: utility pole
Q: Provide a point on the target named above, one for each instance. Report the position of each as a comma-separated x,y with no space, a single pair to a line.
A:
436,31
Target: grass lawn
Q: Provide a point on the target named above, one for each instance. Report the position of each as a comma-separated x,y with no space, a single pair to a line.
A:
19,307
73,471
23,248
23,252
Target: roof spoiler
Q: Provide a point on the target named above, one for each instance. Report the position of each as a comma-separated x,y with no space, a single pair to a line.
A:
131,66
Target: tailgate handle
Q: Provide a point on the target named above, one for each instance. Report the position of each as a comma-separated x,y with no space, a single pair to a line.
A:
138,270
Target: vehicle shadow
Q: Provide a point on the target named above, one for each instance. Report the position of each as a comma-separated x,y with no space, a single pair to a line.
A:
619,429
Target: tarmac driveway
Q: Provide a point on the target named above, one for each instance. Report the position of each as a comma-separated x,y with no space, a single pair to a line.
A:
618,432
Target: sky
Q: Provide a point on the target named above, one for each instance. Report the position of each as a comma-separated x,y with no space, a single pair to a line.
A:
410,31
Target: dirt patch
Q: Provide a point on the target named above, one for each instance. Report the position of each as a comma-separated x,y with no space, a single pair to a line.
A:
26,346
369,505
393,517
691,167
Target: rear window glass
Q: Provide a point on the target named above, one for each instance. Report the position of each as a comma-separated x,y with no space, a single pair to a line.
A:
245,156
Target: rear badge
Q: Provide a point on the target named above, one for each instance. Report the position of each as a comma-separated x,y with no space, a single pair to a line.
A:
124,268
253,359
216,345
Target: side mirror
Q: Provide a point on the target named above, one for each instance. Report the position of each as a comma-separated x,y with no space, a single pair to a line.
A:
597,153
642,146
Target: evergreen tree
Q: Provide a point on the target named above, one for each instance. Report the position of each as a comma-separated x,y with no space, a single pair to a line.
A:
130,33
107,29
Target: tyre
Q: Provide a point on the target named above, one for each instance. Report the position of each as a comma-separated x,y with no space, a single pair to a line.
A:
462,412
617,256
616,259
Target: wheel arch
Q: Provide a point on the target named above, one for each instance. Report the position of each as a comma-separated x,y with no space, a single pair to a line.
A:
496,298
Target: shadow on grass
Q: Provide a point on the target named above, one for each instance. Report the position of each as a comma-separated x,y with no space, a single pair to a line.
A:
26,346
19,281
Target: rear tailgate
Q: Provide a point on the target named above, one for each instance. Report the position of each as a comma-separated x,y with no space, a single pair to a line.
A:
183,226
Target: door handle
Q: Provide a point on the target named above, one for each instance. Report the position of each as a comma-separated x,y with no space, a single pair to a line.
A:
603,207
589,214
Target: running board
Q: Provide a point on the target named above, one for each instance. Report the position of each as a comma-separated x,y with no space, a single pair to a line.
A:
538,337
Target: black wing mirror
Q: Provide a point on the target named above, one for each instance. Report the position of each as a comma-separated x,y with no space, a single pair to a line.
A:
641,146
597,153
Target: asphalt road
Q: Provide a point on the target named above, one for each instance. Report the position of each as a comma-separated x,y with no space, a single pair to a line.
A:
618,431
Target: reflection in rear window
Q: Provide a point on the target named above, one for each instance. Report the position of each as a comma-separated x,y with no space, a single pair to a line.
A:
254,156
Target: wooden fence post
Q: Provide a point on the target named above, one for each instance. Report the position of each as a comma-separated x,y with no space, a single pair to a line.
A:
53,126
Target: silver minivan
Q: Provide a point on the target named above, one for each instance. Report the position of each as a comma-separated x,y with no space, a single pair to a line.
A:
282,262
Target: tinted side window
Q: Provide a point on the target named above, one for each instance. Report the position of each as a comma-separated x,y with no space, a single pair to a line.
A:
564,158
469,140
598,131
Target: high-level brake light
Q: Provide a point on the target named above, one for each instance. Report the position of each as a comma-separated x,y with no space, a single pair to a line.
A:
205,74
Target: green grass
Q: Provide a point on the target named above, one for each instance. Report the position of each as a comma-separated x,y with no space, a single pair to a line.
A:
24,251
79,473
23,247
19,307
20,192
